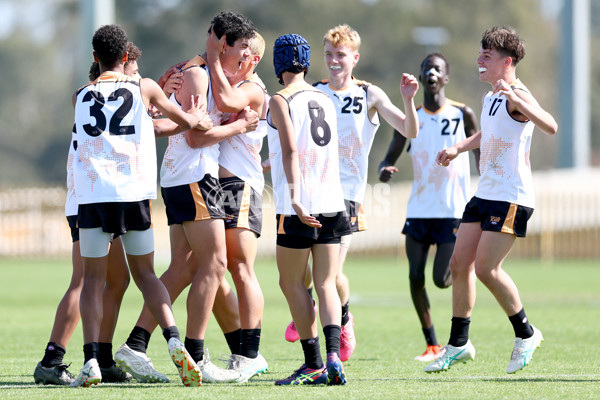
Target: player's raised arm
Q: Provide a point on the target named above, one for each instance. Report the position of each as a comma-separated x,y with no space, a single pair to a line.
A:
407,124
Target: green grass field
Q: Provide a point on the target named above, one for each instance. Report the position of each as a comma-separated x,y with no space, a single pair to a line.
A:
562,300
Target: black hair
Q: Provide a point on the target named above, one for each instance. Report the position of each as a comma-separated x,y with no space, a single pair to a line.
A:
234,25
133,54
110,44
94,72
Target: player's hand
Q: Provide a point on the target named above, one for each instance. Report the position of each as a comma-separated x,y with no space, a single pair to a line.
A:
445,156
205,123
408,86
305,217
173,83
505,90
385,173
266,166
214,46
198,109
250,118
154,112
170,71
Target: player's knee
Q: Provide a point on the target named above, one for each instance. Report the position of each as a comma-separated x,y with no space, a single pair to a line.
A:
241,273
216,267
485,275
443,282
284,285
120,285
341,280
416,279
456,267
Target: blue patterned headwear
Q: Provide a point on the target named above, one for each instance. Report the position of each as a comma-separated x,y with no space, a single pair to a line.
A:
289,51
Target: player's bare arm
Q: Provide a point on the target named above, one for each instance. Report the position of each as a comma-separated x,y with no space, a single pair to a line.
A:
470,122
153,94
525,104
406,124
164,127
245,121
445,156
386,167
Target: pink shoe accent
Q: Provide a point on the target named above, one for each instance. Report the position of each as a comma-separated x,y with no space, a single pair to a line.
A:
347,339
291,334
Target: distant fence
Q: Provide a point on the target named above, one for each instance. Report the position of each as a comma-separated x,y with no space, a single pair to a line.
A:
565,224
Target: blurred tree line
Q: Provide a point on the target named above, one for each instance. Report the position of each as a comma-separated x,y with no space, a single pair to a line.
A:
40,75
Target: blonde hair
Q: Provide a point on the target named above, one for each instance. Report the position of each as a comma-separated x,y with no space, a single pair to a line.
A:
343,35
257,45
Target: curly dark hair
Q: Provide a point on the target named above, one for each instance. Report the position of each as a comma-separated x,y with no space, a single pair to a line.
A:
504,40
110,44
133,52
94,72
234,25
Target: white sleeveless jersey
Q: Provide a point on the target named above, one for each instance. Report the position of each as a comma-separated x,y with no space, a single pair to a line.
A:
314,120
71,206
505,146
240,154
438,192
356,132
183,164
116,149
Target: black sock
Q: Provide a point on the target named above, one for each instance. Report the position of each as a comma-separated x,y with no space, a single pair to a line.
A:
53,355
250,342
459,332
430,336
312,353
345,311
234,341
138,339
332,338
195,347
171,332
105,357
521,325
90,351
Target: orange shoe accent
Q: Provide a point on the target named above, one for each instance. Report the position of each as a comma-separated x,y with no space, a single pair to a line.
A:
432,353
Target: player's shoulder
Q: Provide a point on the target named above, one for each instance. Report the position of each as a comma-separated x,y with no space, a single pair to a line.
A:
362,83
195,67
193,63
82,88
321,84
518,85
295,89
456,104
253,82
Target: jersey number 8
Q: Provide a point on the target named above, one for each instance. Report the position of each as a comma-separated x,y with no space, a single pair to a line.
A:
317,122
